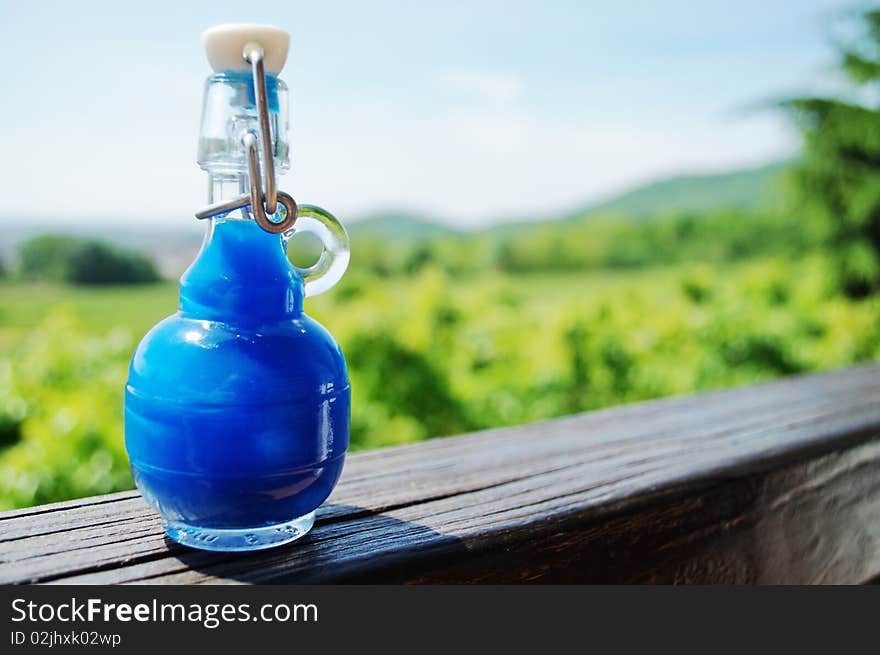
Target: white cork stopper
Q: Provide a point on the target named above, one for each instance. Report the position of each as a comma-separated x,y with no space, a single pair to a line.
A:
224,45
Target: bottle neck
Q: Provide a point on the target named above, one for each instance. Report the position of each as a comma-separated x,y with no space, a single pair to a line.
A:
229,114
242,272
226,186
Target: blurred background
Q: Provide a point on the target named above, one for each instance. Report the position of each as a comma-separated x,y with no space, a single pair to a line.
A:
554,206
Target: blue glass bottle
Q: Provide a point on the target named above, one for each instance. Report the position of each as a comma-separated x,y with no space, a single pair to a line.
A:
237,406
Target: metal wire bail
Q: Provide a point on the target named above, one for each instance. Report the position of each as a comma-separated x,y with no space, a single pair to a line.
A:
253,54
263,202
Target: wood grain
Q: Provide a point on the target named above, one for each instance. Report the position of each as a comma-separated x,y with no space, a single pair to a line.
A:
777,483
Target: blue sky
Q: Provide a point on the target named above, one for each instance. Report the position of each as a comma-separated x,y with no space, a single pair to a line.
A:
468,111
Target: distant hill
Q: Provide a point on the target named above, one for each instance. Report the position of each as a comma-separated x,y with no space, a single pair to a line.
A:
743,189
399,226
174,247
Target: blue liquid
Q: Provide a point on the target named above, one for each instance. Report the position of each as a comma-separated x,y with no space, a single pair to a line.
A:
237,406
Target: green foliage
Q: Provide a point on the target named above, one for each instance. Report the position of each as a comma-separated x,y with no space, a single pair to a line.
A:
602,243
406,384
60,414
81,261
432,353
838,179
593,243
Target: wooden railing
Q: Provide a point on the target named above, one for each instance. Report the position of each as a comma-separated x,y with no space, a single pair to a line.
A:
775,483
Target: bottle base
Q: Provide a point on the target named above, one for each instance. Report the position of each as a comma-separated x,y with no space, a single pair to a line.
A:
240,539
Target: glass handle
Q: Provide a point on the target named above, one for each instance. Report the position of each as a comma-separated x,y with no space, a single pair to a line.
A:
331,265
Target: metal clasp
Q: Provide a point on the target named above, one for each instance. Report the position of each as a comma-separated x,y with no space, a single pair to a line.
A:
263,202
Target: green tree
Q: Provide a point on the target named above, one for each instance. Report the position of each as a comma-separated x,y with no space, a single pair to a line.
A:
44,257
838,178
78,261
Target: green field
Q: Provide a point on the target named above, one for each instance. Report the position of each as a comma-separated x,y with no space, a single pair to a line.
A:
24,306
432,353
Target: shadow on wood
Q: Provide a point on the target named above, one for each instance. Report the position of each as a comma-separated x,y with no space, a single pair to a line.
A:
323,556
